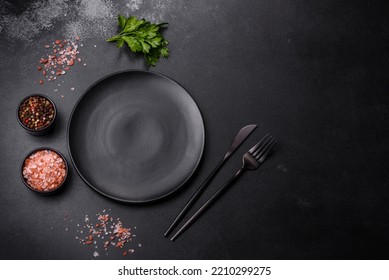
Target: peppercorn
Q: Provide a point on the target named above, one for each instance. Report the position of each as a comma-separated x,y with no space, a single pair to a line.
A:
36,112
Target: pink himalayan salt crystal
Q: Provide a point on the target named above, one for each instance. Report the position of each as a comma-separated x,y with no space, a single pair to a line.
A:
44,170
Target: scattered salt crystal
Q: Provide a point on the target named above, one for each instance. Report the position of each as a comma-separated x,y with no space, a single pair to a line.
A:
72,88
115,234
95,254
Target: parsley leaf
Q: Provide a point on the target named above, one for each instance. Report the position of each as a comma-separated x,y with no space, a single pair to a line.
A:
142,36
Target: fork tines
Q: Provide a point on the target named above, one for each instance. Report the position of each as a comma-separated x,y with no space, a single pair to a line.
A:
263,147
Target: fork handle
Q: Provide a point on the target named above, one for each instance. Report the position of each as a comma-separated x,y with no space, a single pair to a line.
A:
208,203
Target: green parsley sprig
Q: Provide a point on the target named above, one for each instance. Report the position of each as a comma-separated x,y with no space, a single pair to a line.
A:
142,36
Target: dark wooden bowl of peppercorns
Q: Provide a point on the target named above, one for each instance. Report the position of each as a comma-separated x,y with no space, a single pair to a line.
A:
36,114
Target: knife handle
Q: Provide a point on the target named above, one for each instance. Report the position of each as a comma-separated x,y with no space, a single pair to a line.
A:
208,203
195,196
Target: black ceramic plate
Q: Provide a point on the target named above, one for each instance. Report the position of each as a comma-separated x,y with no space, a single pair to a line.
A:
136,136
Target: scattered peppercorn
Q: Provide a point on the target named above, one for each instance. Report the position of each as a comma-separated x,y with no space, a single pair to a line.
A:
36,112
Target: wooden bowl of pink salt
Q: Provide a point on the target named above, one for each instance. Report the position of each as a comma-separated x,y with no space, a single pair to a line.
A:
44,170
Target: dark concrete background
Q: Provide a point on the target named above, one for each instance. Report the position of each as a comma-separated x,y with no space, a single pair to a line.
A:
312,73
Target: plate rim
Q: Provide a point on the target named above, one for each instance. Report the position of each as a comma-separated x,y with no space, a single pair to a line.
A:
117,198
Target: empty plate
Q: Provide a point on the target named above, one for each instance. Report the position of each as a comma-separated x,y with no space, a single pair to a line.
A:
136,136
